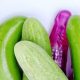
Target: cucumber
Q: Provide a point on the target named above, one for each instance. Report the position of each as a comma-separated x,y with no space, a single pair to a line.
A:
10,33
36,63
24,77
34,31
73,34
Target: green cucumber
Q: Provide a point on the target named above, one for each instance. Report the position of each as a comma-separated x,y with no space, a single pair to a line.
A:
36,63
10,33
34,31
24,77
73,34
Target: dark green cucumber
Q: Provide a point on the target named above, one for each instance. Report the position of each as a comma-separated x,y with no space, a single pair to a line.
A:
73,34
36,63
10,33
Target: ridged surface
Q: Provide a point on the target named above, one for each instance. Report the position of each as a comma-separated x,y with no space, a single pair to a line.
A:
35,32
36,63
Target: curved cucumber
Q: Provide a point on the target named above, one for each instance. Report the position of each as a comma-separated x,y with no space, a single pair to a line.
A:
73,34
36,63
35,32
10,33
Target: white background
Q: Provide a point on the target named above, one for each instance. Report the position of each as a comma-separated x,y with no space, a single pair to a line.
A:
44,10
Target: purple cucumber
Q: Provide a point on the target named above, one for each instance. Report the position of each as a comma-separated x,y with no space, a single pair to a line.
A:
58,39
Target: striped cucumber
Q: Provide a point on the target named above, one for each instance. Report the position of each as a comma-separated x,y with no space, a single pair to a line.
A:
36,63
34,31
10,33
73,34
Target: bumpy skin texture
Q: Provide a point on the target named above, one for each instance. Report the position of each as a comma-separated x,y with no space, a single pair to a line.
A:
34,31
73,34
10,33
36,63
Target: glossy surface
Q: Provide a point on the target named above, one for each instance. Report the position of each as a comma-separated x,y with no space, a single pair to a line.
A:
58,39
73,34
10,33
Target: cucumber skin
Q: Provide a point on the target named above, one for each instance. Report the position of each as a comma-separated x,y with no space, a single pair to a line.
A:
10,33
36,63
25,77
73,34
34,31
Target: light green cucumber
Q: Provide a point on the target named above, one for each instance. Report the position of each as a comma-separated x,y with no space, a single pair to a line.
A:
10,33
34,31
36,63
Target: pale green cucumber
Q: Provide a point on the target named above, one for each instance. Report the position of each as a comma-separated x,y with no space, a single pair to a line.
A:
10,33
36,63
34,31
